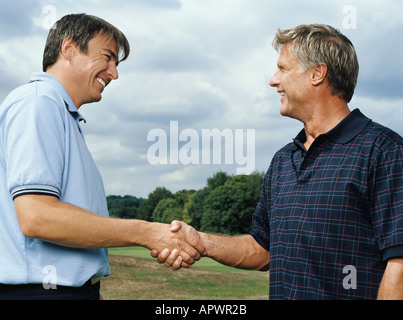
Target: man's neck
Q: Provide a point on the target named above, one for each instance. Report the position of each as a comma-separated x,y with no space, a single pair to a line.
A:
324,120
60,75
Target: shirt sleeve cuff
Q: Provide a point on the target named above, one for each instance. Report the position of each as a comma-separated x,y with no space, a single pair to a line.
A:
264,243
35,189
393,252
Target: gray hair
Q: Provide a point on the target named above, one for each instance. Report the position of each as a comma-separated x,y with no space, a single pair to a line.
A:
317,43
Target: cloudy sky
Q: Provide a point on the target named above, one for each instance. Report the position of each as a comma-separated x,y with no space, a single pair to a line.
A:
199,65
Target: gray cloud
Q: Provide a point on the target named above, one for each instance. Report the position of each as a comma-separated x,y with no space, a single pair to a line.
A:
205,64
176,56
167,4
17,18
381,63
8,80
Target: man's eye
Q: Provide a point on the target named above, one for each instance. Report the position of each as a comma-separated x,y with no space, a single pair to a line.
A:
108,57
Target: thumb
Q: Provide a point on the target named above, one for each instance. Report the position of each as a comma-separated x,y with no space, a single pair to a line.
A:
175,226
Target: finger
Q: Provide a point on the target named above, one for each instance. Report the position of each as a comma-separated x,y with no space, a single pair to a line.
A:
175,226
186,257
185,265
163,255
154,253
177,264
171,258
192,252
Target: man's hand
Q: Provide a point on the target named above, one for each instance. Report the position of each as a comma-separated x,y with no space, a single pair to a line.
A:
184,257
45,217
242,252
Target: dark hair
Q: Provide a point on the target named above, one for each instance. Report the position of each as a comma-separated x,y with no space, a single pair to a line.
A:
81,28
317,43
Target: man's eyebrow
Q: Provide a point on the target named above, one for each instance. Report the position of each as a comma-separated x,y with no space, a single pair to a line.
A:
113,54
280,66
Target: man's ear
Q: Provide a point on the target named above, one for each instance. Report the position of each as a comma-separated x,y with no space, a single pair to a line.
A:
68,49
319,74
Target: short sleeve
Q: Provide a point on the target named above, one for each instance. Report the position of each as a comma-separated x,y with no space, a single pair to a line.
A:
34,147
386,183
260,219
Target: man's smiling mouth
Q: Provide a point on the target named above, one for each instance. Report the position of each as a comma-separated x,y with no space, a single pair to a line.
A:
101,82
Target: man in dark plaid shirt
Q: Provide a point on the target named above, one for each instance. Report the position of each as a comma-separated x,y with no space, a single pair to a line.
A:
330,215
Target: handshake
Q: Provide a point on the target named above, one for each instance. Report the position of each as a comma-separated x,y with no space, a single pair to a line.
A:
180,246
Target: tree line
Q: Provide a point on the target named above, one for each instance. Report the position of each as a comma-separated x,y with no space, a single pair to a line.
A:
225,205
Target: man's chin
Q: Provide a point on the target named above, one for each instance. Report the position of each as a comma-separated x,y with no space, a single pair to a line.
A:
284,111
92,100
96,98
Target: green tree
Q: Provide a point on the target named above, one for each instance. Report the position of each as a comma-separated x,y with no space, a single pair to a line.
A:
254,184
229,208
225,205
123,207
196,207
173,208
124,213
218,179
147,208
166,211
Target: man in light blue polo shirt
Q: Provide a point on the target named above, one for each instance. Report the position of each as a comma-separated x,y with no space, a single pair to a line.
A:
54,224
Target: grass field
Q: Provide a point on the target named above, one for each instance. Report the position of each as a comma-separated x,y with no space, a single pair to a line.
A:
137,276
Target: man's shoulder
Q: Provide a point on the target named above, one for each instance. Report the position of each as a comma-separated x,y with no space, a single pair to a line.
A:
382,136
16,95
33,93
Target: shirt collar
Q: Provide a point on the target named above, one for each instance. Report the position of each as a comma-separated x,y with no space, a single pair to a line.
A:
349,127
54,82
342,133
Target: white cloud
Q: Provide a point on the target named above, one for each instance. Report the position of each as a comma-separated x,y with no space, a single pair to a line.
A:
205,64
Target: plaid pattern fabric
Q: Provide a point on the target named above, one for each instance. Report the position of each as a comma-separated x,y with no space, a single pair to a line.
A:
337,205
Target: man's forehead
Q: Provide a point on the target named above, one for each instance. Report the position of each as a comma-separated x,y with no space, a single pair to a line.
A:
286,50
106,42
286,56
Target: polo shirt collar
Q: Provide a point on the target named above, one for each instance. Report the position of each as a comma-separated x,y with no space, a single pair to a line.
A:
343,132
53,81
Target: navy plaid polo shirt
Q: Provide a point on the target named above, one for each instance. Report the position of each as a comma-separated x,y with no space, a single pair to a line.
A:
331,216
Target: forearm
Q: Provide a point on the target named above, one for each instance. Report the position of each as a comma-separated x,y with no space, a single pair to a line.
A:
391,287
241,252
62,223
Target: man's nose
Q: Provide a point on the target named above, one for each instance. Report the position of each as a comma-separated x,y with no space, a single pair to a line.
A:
275,80
113,71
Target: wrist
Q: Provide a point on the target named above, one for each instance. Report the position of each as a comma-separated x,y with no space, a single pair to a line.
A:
145,234
208,243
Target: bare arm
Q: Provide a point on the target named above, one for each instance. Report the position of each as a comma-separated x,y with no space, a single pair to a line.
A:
391,287
47,218
241,252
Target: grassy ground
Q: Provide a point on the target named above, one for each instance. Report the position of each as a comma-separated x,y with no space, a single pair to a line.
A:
137,276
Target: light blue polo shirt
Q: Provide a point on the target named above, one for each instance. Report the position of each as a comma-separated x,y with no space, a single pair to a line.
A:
43,151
